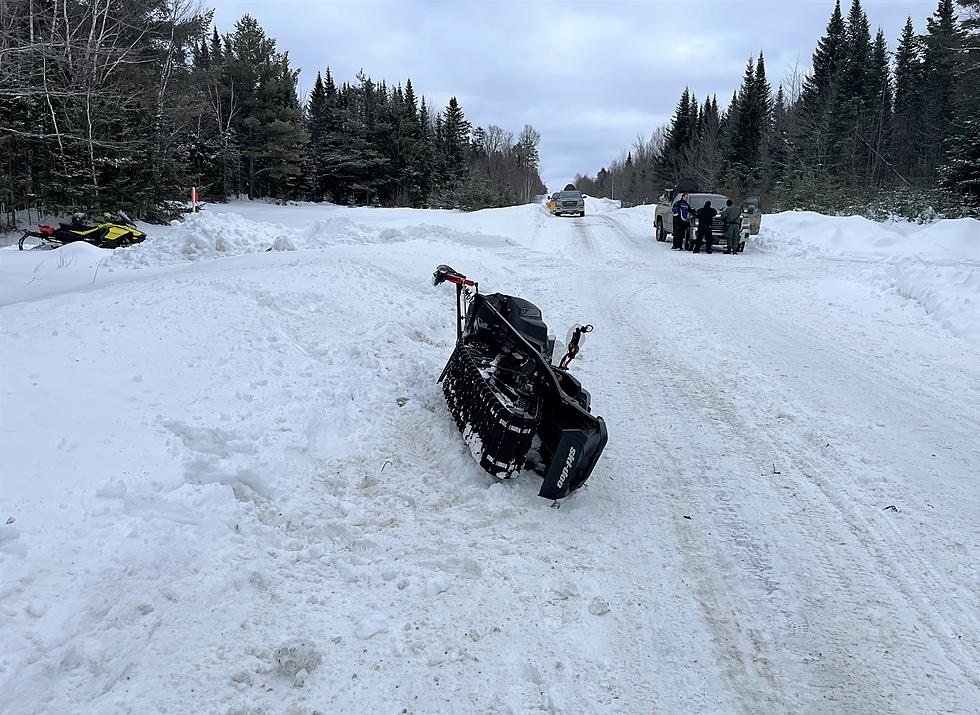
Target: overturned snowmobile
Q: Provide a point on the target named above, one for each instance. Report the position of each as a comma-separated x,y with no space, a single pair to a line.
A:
507,398
111,231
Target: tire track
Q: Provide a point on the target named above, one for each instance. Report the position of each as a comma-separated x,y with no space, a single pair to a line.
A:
859,572
741,655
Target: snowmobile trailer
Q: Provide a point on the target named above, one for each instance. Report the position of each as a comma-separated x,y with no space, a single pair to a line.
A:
512,406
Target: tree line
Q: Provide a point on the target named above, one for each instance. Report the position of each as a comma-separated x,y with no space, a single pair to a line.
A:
863,128
108,105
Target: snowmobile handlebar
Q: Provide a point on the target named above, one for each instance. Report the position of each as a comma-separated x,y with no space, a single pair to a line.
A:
446,273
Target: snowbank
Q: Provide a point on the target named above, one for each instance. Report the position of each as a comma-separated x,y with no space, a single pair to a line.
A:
937,265
805,232
27,275
210,234
600,205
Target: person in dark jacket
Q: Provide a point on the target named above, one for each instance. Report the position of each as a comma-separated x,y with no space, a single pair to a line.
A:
705,216
733,224
681,211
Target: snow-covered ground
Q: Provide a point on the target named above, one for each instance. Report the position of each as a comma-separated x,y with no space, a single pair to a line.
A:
232,485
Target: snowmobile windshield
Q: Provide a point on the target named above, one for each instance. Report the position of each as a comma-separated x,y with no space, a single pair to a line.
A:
125,217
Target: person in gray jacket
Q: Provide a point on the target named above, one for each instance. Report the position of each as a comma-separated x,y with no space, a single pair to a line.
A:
732,216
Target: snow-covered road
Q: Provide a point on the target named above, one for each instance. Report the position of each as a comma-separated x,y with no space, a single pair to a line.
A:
224,470
770,418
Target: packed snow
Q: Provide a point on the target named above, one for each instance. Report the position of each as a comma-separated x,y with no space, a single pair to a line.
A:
936,265
230,483
599,205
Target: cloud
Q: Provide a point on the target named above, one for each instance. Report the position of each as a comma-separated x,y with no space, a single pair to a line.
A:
589,75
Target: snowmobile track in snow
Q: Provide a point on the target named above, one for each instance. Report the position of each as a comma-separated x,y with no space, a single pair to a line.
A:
851,556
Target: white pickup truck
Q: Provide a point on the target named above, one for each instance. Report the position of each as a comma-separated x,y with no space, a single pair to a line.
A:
570,201
664,219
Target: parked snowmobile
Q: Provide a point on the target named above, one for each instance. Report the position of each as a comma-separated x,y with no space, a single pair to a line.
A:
117,229
506,397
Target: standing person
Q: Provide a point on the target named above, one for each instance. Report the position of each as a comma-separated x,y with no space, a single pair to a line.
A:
705,216
733,224
681,211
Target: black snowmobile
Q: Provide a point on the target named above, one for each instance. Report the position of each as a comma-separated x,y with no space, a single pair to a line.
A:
114,230
513,407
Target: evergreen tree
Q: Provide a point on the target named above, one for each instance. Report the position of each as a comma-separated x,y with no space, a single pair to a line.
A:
968,74
189,106
851,106
880,108
216,54
728,118
455,139
763,94
906,150
818,92
269,125
413,179
942,45
214,151
18,181
359,163
439,169
749,125
681,136
819,84
961,172
423,163
707,157
778,146
316,127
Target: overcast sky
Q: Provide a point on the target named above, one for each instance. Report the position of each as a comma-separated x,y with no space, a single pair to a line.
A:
590,76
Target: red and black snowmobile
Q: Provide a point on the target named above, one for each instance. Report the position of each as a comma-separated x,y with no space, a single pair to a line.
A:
514,408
